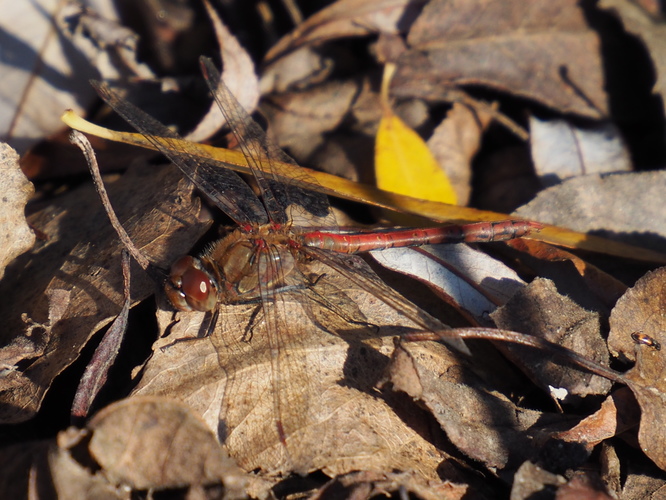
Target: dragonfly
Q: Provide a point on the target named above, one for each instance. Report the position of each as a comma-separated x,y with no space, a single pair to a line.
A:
279,232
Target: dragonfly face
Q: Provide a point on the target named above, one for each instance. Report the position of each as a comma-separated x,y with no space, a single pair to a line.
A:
190,286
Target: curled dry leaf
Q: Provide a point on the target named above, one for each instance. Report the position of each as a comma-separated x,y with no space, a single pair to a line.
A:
239,75
16,237
163,225
347,18
638,332
155,443
539,310
455,142
541,50
617,414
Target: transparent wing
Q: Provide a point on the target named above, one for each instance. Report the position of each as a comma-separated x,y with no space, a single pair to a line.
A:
259,151
223,186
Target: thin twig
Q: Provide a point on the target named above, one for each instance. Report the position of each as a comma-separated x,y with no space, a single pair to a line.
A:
556,350
80,140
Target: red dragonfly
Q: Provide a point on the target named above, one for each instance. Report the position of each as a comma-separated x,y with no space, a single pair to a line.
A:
266,257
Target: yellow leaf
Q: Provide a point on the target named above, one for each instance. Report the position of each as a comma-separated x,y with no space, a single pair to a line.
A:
405,165
403,162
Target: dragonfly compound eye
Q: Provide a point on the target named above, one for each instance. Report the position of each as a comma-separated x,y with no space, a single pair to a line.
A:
190,288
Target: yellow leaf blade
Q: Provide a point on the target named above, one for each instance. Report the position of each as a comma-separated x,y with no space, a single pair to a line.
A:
405,165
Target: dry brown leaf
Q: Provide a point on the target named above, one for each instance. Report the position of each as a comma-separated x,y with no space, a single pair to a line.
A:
300,120
624,206
81,255
46,469
553,262
483,424
135,444
617,414
638,332
585,485
455,142
155,443
367,485
539,310
542,50
642,482
640,310
530,480
239,75
346,18
16,237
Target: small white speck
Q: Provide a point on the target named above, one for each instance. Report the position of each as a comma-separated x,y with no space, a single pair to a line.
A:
559,393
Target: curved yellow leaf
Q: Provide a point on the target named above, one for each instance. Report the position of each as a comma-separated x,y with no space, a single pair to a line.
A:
405,165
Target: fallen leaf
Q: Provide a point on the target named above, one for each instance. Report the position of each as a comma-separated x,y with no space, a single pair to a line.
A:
239,75
249,392
648,29
42,75
584,485
346,18
539,50
483,424
82,256
403,162
154,443
641,311
539,310
624,207
16,237
301,120
531,480
560,150
468,279
617,414
455,142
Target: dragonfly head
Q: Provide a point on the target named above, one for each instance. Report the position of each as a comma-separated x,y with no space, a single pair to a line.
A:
190,287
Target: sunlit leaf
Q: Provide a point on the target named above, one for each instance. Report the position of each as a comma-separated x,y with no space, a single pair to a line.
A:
403,161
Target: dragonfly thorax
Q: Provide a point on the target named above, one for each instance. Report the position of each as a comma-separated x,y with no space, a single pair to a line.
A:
238,268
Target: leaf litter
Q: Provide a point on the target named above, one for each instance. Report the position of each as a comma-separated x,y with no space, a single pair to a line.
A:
372,404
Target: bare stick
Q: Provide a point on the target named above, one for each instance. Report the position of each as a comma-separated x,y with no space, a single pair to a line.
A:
538,343
81,141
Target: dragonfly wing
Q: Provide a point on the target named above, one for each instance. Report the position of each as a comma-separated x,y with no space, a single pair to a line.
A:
260,153
223,186
350,267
